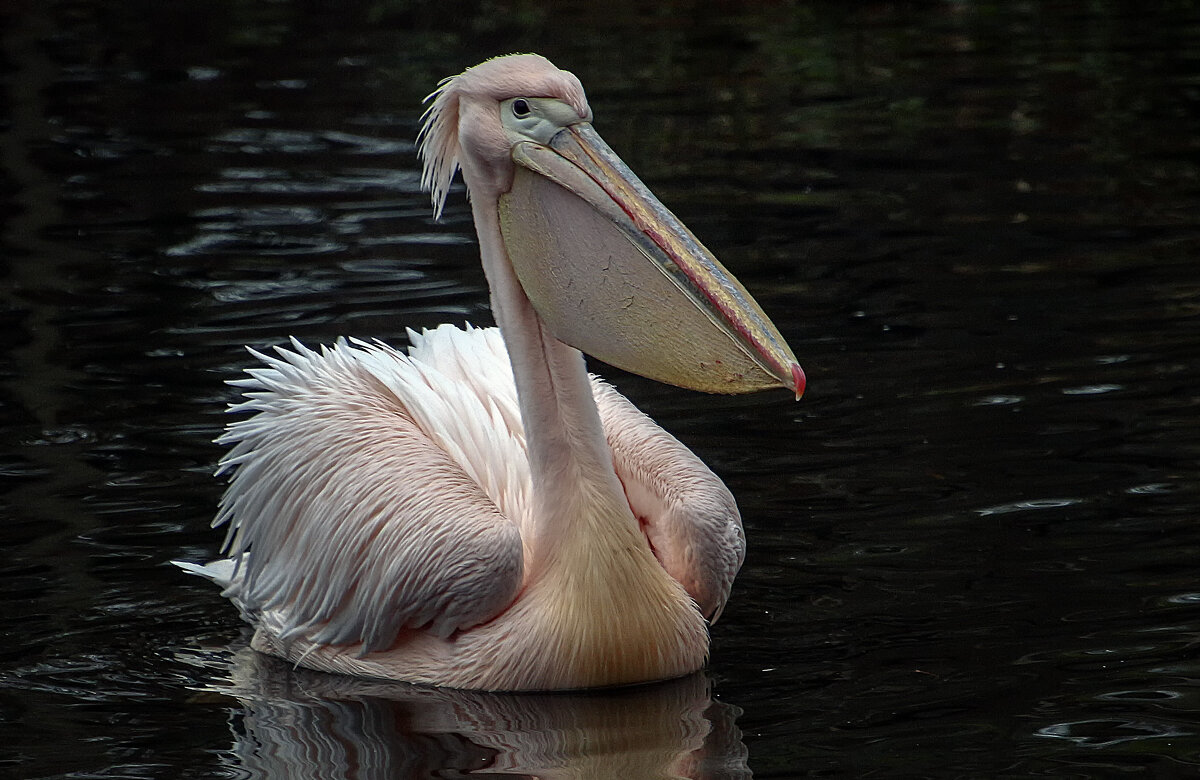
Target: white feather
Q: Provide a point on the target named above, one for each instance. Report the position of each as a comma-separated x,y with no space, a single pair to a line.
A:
374,491
332,490
438,143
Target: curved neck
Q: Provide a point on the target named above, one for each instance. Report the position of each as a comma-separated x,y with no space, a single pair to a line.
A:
570,460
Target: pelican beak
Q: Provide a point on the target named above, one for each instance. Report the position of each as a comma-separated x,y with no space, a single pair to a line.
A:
615,274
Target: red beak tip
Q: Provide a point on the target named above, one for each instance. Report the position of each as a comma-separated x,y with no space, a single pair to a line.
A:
798,381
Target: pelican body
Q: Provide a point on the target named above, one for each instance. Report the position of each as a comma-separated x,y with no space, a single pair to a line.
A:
479,512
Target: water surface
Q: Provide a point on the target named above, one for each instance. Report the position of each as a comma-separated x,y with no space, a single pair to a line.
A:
973,544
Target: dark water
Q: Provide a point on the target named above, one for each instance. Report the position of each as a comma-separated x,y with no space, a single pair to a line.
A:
974,547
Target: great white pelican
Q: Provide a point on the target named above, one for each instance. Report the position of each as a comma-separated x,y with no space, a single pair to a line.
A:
479,512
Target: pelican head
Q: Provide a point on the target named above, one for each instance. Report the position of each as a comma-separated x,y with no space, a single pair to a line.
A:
608,268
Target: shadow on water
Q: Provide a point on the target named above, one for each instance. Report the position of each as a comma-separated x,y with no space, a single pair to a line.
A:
972,546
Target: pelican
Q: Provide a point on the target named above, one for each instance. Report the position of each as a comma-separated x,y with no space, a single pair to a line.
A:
478,512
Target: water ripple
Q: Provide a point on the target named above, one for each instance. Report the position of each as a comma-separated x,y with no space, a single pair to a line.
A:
1140,695
998,400
275,181
1098,389
1025,506
1105,732
256,141
259,243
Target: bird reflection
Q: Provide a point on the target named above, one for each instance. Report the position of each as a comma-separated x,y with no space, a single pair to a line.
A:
297,723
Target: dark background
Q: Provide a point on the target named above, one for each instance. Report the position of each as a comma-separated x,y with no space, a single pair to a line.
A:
973,545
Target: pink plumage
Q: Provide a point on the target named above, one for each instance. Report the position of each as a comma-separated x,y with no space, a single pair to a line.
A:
478,512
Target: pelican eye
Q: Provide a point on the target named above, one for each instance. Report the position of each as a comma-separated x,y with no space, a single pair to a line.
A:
520,108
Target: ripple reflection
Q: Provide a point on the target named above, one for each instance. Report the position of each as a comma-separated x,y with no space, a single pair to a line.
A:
299,724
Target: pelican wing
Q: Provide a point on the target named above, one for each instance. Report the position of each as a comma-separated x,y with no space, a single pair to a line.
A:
357,523
689,516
